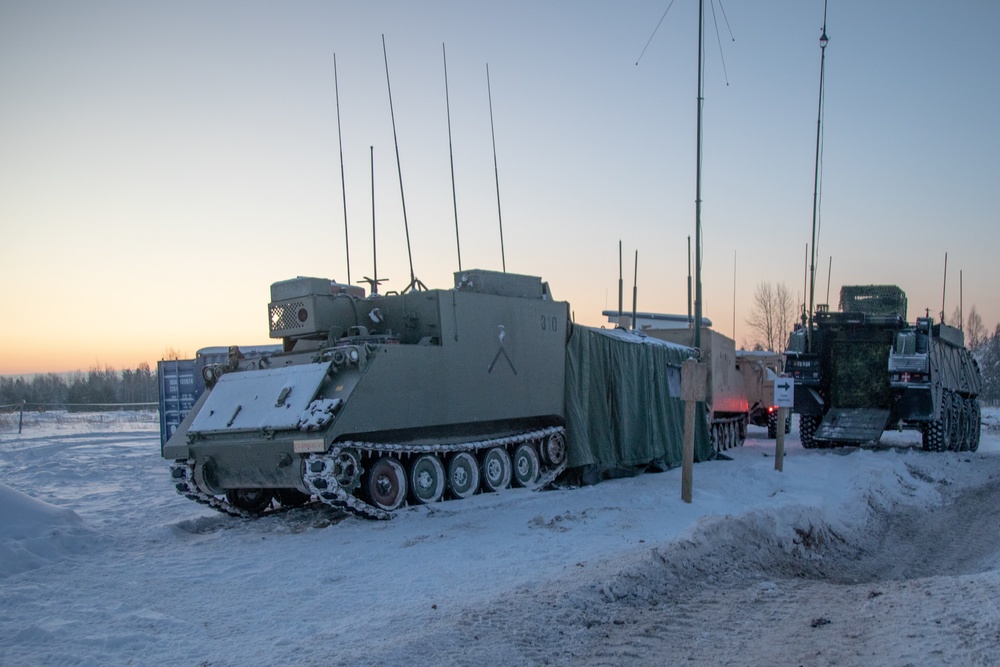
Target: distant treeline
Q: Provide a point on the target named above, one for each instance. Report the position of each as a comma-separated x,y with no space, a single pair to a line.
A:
94,390
101,388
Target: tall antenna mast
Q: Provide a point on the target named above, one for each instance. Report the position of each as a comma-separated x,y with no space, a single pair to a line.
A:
414,283
823,41
343,187
690,316
697,200
496,172
805,281
451,156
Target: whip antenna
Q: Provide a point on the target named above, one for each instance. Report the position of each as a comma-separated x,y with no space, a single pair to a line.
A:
635,288
496,172
944,286
619,282
373,283
829,272
414,283
961,304
451,156
343,187
734,295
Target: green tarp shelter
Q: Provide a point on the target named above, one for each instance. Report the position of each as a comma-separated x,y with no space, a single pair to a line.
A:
624,413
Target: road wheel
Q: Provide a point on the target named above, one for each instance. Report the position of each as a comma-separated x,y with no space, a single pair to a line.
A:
251,500
807,429
496,469
772,425
961,423
526,465
937,433
948,426
427,479
387,484
930,433
463,475
554,449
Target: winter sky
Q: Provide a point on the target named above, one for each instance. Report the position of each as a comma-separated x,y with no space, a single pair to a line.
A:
161,164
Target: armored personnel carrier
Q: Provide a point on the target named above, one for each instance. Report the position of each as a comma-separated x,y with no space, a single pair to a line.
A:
869,370
375,401
936,382
840,367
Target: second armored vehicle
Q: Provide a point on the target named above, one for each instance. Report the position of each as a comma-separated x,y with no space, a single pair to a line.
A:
840,369
864,369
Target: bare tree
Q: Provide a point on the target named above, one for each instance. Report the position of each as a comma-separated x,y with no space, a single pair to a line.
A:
976,334
956,318
772,316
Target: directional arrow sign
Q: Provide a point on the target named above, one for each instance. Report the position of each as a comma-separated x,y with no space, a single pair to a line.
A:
784,392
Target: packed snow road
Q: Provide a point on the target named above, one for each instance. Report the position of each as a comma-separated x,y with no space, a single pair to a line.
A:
849,557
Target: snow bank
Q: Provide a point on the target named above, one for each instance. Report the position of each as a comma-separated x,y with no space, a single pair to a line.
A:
33,533
496,577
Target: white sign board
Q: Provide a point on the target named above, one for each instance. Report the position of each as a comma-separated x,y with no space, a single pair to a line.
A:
784,392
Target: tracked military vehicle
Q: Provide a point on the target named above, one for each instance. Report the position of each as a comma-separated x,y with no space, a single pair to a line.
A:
936,382
375,401
840,367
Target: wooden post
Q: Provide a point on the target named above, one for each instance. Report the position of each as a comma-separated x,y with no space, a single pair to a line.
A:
20,419
784,400
694,388
687,458
779,448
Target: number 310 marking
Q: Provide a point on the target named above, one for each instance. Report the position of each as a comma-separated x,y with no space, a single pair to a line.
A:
550,323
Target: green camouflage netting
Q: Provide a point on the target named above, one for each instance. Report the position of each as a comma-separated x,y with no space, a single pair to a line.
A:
873,300
860,375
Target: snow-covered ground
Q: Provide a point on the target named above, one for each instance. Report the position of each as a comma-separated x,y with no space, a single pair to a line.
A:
849,557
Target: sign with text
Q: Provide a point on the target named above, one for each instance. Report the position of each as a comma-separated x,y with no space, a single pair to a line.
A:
784,392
